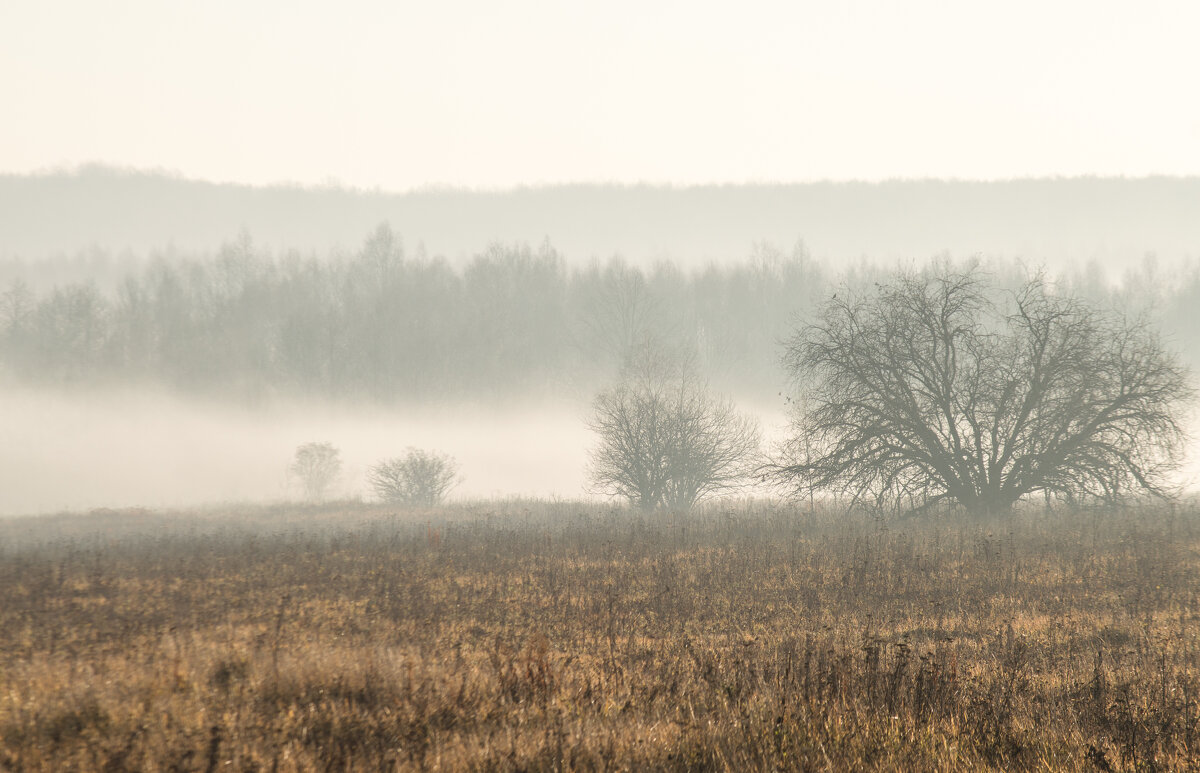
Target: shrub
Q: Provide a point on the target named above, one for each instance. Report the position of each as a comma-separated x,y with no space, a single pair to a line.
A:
664,441
419,478
316,465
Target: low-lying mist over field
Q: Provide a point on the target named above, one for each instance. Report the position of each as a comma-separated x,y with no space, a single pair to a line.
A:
119,448
126,447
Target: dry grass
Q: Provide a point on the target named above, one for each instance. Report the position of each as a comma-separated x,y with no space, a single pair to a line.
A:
556,636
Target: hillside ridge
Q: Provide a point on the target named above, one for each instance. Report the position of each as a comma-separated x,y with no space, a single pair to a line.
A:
1110,220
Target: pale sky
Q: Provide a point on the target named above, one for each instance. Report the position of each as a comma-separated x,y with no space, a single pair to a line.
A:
483,93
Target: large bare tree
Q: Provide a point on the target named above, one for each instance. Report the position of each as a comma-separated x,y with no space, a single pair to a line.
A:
664,440
937,387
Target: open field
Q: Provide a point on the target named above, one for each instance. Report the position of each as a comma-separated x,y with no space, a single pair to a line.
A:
564,636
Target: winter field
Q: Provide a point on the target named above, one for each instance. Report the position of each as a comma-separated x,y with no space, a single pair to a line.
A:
536,635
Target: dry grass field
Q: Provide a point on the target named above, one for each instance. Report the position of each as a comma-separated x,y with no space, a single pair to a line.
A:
559,636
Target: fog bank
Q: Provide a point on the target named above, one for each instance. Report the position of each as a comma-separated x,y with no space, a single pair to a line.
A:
124,448
70,451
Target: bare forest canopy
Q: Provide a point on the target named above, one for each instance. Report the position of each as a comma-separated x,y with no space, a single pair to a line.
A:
383,325
1112,221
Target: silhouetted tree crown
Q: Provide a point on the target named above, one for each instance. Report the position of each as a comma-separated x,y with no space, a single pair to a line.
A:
316,466
419,478
664,441
938,387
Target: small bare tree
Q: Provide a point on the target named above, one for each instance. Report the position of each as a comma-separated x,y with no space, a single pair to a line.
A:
316,465
419,478
938,387
665,441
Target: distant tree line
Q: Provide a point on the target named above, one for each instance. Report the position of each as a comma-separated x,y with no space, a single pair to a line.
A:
385,325
388,324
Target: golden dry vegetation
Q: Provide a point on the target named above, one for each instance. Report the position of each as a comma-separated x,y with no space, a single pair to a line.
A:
560,636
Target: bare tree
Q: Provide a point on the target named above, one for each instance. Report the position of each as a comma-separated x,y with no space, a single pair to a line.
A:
938,387
419,478
316,465
664,441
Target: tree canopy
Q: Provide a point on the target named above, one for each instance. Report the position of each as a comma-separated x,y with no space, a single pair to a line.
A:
419,478
664,441
939,387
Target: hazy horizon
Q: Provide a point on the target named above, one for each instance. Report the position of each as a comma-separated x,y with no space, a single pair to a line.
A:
1114,222
103,168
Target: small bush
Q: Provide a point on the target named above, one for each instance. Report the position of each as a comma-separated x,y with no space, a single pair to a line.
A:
316,465
419,478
